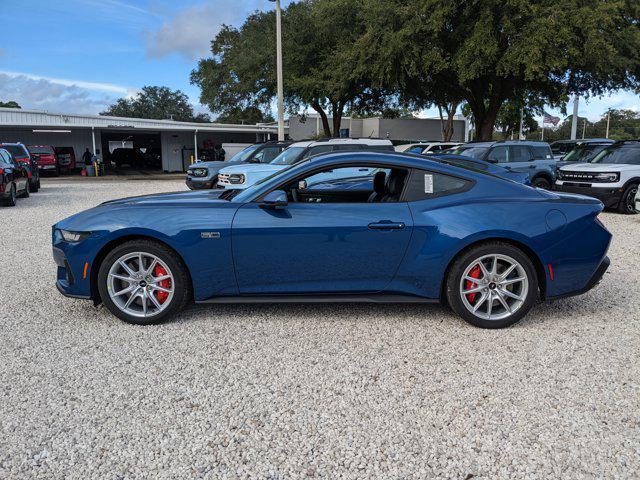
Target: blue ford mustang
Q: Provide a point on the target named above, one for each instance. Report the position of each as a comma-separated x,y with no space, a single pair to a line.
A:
414,231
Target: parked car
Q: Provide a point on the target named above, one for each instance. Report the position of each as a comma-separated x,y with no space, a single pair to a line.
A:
561,148
132,157
66,158
45,157
425,232
243,176
205,174
533,158
152,158
22,156
612,176
584,152
473,164
14,180
426,147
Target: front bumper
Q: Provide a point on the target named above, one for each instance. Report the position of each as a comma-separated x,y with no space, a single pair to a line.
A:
609,196
204,184
65,279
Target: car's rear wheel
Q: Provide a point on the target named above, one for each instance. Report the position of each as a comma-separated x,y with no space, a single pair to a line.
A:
34,186
628,201
492,285
143,282
541,182
11,200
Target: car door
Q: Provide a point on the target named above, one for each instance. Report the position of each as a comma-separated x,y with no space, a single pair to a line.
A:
319,248
521,160
19,171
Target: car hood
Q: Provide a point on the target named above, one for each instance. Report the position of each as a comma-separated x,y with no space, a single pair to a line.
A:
251,168
599,167
94,218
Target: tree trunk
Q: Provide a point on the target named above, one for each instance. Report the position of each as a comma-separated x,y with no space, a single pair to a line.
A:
323,116
337,111
485,119
447,127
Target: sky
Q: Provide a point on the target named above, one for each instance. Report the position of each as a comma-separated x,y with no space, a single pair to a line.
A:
79,56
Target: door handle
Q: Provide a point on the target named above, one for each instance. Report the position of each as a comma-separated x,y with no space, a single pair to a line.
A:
363,169
386,225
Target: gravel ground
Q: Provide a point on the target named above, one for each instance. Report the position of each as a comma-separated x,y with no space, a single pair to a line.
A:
322,391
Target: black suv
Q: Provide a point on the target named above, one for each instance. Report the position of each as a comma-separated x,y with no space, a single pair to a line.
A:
533,158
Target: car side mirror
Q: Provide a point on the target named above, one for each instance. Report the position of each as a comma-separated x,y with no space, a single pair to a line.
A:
275,199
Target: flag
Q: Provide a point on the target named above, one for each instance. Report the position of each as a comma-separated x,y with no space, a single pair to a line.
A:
550,119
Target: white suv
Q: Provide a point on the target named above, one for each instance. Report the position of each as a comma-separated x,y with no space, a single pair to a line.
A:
612,176
243,176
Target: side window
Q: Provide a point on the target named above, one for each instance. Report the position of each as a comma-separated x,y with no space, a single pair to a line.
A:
317,150
346,148
520,153
499,155
542,153
416,150
423,185
267,155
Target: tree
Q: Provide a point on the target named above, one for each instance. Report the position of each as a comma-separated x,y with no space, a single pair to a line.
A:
159,103
318,42
249,115
10,104
489,52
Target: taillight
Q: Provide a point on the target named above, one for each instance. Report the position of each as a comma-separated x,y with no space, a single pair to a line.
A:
1,171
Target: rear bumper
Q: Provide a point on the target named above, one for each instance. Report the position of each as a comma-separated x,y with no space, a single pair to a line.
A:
593,281
610,197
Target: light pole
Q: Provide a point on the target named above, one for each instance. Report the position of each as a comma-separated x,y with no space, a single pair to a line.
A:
574,120
279,70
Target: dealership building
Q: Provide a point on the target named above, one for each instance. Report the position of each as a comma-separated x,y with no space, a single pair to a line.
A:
177,142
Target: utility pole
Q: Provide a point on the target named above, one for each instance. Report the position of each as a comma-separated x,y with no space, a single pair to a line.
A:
279,70
584,128
574,120
608,121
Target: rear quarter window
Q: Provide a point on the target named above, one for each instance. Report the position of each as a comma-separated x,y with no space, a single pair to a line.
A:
423,184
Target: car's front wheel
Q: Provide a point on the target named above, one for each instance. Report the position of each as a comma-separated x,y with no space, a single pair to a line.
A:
492,285
143,282
541,182
628,201
34,186
11,200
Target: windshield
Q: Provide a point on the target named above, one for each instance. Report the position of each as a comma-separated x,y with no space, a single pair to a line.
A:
473,152
629,155
16,150
583,153
288,156
243,155
41,150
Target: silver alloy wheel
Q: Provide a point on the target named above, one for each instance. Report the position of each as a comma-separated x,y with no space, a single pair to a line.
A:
500,289
631,200
134,288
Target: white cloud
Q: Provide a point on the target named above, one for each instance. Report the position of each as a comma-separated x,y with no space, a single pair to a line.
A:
54,95
96,86
190,31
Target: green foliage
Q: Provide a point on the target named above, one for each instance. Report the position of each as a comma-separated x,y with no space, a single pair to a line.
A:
319,40
159,103
488,52
10,104
249,115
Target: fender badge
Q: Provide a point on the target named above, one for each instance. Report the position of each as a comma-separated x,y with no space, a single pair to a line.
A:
210,235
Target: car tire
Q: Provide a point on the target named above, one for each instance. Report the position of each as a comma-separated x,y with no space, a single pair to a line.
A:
12,200
180,281
34,186
493,288
25,192
627,203
541,182
39,186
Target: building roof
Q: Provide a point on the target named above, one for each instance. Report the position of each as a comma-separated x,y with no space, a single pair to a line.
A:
15,117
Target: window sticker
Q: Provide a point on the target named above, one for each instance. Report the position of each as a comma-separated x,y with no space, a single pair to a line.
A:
428,183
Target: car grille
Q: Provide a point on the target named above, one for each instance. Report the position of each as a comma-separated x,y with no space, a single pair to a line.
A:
586,177
223,178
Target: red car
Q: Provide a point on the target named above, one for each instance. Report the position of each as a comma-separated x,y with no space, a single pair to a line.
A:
66,158
45,157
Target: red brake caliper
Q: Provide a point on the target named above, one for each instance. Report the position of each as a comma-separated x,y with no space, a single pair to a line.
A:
159,271
468,284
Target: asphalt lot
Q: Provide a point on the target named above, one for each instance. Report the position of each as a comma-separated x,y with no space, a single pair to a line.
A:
299,391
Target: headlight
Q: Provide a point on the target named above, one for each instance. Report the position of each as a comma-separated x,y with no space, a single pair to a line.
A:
199,172
74,237
236,178
607,177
